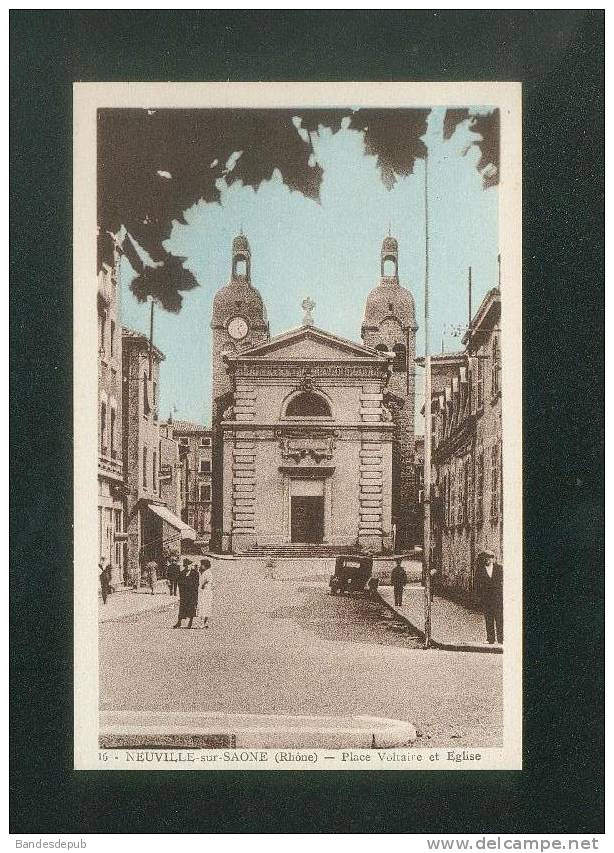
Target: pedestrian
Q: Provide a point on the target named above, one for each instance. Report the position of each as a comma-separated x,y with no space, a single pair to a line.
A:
205,592
398,579
489,588
188,594
172,575
103,576
151,575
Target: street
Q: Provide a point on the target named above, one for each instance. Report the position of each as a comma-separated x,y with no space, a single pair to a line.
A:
288,646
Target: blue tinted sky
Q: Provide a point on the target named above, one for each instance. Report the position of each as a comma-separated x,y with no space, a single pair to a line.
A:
329,251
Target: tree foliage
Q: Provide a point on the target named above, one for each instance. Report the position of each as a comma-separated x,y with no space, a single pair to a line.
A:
155,164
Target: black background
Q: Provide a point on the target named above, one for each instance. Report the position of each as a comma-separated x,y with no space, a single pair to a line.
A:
558,56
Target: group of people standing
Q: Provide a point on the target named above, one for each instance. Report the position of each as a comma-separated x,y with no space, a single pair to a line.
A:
195,588
193,583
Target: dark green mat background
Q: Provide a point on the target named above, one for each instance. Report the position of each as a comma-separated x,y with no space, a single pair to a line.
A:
558,55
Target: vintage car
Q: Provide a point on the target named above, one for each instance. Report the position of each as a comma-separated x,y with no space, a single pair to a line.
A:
353,572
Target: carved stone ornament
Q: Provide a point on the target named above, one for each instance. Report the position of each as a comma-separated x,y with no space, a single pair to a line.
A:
228,413
306,383
306,448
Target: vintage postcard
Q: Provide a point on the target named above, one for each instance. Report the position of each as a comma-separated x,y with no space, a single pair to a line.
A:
298,436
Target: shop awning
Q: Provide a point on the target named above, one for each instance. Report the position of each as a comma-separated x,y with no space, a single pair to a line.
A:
185,531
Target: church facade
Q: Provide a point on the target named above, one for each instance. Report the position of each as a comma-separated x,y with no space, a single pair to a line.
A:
312,433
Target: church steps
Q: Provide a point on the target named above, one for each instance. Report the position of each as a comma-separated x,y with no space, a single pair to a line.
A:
299,550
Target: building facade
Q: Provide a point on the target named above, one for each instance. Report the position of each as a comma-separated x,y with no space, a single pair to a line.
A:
153,527
313,434
195,448
467,436
110,462
169,472
307,445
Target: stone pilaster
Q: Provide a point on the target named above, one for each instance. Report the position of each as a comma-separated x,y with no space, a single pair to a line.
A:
243,493
245,402
371,487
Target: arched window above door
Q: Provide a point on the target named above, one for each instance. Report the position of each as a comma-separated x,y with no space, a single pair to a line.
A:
308,404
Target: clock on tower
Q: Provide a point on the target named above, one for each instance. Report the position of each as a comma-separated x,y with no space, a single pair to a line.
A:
238,328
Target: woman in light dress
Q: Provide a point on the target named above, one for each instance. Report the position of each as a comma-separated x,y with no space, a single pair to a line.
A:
205,592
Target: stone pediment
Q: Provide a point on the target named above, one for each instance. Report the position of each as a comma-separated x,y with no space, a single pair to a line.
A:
310,343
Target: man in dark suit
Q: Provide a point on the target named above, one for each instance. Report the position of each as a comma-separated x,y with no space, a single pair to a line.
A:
398,579
188,594
489,587
172,575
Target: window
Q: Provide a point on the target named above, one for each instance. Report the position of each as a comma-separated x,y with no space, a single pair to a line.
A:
144,467
204,493
112,436
118,521
103,429
184,440
145,396
400,357
112,344
480,383
308,405
479,487
468,492
205,442
452,520
205,466
154,469
381,348
154,395
389,267
495,483
496,366
460,505
103,332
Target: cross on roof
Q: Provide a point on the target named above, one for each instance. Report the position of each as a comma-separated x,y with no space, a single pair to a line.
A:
308,305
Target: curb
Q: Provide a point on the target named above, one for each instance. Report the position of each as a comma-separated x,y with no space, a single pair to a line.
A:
483,648
218,729
121,616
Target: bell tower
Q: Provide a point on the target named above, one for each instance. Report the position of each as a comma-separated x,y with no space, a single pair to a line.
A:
238,319
389,325
238,322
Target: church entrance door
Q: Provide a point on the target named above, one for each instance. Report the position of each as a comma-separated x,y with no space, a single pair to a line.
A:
307,519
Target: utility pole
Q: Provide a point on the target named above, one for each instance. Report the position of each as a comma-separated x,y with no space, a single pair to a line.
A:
469,320
426,554
151,327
